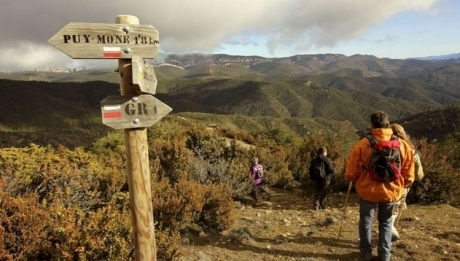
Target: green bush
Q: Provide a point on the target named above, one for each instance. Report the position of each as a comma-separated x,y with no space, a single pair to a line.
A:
440,165
81,196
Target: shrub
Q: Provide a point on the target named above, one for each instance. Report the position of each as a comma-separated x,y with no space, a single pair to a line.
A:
106,234
168,243
439,185
178,205
218,211
21,236
184,203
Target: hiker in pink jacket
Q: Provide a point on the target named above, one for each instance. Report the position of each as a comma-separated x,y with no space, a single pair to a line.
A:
256,173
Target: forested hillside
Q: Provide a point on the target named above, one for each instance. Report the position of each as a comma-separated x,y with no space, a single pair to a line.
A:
298,95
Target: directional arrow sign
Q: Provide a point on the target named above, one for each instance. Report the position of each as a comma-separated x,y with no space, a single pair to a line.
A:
128,112
107,41
143,75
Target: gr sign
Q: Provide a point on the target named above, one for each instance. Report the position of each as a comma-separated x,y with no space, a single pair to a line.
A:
128,112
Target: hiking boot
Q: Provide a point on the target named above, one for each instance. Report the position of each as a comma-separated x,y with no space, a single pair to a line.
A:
365,258
395,238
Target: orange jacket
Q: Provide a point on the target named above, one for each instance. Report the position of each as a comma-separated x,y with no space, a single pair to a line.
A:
369,189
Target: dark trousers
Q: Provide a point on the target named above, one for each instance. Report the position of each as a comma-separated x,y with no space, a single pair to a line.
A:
257,189
320,194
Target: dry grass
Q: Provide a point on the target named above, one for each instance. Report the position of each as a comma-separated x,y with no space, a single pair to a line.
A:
287,229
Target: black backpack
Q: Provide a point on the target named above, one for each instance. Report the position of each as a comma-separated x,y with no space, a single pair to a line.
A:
385,162
318,170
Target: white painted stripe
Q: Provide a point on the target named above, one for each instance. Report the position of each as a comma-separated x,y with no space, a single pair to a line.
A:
112,108
112,49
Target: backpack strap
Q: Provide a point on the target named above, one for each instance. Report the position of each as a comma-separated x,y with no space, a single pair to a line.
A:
373,141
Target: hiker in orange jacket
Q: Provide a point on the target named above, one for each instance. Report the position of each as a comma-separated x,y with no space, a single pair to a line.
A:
376,194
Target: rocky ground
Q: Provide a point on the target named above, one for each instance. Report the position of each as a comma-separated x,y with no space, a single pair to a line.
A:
286,228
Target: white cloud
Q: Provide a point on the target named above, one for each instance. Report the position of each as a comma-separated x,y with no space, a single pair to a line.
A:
187,26
28,55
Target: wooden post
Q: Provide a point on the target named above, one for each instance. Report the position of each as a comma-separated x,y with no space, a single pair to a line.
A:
140,196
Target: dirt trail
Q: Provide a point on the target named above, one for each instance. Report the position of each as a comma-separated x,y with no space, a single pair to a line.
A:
286,228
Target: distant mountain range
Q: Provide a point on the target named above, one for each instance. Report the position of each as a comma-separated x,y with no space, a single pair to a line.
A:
311,62
302,94
193,59
440,57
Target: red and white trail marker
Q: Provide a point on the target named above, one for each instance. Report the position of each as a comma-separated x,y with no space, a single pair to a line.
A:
111,112
112,52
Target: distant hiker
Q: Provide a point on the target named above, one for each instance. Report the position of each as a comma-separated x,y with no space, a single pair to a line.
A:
321,171
379,189
399,131
256,175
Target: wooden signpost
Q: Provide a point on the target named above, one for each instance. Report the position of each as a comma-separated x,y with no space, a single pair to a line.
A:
135,110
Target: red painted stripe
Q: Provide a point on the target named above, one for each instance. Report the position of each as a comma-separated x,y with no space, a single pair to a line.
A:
112,114
112,54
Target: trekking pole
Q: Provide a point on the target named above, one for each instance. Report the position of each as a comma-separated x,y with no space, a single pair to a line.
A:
397,217
345,208
400,210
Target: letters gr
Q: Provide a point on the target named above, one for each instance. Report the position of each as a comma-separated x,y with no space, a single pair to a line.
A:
141,109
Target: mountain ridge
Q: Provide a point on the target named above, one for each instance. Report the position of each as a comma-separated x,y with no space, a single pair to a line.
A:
336,88
192,59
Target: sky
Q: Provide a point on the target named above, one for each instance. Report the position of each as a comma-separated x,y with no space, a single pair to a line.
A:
395,29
